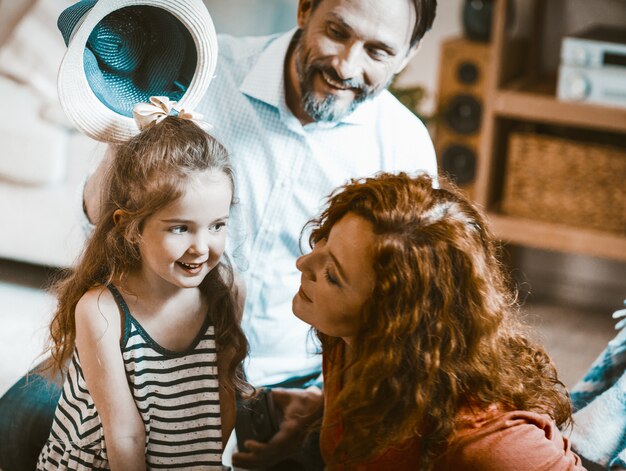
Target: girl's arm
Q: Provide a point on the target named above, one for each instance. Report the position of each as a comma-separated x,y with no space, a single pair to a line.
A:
98,331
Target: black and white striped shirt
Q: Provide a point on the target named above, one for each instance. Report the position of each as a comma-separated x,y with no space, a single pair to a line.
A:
176,394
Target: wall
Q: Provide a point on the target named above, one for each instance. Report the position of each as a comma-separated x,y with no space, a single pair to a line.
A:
252,17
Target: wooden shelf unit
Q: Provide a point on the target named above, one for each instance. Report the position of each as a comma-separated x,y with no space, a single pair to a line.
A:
530,105
520,93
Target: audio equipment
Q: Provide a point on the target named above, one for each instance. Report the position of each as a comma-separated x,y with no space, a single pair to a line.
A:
462,77
593,67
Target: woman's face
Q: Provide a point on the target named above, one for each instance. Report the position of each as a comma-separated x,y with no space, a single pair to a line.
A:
337,279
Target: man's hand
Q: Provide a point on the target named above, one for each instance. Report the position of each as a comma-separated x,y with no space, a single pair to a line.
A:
93,186
299,408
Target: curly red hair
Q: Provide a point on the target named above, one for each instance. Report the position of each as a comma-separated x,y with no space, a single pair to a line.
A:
440,330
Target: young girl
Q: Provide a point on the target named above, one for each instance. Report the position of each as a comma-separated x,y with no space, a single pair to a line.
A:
425,363
149,317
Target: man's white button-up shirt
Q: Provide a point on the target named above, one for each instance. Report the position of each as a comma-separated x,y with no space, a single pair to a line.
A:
284,172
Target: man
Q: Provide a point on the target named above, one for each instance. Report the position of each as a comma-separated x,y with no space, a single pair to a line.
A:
302,113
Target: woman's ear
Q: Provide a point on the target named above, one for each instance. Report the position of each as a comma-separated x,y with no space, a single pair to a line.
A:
118,215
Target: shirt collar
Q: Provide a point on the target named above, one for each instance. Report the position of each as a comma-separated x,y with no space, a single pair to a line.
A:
266,82
363,114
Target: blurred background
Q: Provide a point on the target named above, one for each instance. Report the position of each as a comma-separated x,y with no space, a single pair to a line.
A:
547,161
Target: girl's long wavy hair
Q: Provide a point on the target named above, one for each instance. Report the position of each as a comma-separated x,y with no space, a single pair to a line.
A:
148,172
440,330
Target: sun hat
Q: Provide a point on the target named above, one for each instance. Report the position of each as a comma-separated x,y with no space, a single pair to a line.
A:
122,52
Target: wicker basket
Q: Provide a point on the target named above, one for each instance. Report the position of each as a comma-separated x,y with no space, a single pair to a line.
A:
564,181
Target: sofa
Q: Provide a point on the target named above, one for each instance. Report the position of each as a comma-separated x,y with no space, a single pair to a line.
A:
43,160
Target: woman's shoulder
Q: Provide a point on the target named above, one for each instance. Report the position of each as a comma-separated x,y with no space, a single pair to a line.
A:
492,440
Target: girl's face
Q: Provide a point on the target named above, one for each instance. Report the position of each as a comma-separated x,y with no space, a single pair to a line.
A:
337,279
182,242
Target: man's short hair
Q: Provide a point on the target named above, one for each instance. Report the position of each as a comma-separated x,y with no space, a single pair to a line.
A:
425,16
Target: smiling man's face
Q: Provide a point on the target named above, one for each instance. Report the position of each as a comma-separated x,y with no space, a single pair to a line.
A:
349,51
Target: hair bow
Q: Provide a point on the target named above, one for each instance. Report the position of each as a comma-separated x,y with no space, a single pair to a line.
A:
159,108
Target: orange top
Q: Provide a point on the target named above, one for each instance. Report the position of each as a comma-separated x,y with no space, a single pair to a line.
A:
490,440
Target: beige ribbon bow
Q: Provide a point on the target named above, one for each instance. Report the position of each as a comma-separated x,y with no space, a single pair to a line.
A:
159,108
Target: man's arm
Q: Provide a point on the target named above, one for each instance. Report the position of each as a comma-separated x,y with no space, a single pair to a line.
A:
92,191
300,408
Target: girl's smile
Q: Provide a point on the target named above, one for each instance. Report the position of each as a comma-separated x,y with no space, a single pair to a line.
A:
192,268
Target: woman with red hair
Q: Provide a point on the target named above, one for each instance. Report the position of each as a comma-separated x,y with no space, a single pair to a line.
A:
426,365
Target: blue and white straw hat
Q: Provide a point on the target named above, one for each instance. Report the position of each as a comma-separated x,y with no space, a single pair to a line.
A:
122,52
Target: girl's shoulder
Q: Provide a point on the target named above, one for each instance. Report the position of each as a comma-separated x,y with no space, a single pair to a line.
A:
97,311
99,298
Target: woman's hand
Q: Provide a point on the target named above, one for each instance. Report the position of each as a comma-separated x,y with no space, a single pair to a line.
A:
299,408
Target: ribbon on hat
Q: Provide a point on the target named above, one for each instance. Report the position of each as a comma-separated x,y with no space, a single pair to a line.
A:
159,108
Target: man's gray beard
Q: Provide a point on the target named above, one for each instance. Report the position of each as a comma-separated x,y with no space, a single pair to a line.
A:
324,110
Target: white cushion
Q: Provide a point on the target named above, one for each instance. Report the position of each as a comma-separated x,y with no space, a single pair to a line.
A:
33,150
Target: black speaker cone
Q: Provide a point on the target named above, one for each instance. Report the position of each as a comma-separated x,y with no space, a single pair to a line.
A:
463,114
459,163
477,16
467,73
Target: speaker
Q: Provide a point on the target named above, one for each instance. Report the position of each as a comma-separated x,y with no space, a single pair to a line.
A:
477,16
462,77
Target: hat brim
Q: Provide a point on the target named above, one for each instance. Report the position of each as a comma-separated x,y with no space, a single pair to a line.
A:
84,108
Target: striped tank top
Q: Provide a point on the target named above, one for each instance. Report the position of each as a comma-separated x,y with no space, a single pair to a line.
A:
176,394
